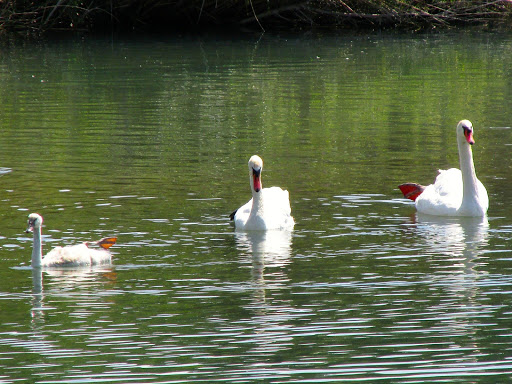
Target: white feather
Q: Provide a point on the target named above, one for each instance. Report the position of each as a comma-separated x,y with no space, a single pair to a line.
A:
269,208
75,256
456,192
69,256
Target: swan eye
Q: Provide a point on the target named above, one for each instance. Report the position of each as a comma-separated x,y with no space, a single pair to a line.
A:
467,129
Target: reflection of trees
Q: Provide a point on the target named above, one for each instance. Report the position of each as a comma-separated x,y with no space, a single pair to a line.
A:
144,101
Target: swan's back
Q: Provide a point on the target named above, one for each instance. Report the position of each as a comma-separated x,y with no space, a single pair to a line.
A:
76,256
445,197
278,200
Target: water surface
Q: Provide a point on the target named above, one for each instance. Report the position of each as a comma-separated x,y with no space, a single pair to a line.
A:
148,139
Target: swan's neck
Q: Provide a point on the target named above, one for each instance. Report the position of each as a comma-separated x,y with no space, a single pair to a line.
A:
257,197
37,250
257,200
469,179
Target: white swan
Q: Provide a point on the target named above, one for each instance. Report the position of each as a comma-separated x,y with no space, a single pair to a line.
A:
268,209
69,256
455,192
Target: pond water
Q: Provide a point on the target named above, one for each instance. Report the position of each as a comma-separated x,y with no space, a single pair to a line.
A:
148,139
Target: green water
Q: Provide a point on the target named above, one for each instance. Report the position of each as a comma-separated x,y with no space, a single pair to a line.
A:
148,139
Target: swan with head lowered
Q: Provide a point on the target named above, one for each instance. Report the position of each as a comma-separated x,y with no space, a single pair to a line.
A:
455,192
268,209
69,256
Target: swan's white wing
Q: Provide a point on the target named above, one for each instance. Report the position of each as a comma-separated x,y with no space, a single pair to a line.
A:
67,256
75,256
277,209
278,200
443,197
100,256
242,214
449,183
484,198
478,203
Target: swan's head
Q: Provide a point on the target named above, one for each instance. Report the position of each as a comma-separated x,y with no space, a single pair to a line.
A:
34,222
255,168
465,131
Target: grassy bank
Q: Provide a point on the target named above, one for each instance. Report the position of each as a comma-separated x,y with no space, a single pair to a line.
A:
39,17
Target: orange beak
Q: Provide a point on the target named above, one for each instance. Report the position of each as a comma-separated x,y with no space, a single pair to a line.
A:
469,136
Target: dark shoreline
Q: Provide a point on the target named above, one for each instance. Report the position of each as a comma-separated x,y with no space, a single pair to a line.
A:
25,18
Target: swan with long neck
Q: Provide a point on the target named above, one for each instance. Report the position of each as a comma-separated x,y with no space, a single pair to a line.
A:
455,192
69,256
268,209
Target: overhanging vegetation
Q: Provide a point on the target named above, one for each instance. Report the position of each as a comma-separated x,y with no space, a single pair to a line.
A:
37,17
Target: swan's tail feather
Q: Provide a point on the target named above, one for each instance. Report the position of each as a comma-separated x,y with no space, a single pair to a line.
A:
105,243
232,214
411,190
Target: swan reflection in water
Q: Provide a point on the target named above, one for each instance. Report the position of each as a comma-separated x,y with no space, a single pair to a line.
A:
454,244
54,288
457,282
463,238
66,283
268,253
270,249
